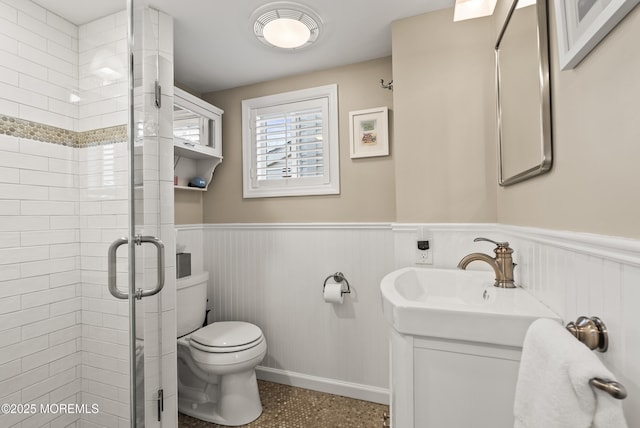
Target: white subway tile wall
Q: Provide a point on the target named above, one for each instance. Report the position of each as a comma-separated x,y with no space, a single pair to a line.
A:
156,214
63,337
40,288
104,336
103,72
39,73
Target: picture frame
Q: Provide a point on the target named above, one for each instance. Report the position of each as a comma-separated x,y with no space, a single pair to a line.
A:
369,132
582,24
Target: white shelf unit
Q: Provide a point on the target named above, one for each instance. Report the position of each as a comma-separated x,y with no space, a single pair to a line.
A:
197,140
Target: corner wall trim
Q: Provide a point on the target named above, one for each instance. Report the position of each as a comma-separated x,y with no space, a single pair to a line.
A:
617,249
346,389
180,227
443,227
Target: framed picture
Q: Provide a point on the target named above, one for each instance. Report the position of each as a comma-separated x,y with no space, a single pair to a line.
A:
369,132
582,24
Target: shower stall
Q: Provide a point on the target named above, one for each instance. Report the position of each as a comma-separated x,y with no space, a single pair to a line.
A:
87,240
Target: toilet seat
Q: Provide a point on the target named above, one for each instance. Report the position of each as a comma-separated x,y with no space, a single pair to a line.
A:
226,337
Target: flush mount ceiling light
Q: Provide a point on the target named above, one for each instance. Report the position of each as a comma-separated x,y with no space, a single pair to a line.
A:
286,25
469,9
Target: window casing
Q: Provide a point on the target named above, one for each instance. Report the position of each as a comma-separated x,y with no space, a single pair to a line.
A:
290,144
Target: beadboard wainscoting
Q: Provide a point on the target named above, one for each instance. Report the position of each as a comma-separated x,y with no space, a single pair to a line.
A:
272,274
592,275
573,273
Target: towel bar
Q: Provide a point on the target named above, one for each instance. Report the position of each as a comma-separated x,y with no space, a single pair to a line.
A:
593,333
615,389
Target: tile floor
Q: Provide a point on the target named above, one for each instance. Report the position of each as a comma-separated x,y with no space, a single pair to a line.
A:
290,407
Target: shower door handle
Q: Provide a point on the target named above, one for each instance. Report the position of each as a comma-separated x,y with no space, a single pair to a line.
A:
140,293
111,261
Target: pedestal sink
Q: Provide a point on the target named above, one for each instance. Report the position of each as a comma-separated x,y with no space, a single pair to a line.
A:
456,342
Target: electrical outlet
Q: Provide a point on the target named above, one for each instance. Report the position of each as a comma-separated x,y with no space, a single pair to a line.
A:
424,255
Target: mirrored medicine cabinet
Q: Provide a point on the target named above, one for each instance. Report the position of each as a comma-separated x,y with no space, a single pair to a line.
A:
523,93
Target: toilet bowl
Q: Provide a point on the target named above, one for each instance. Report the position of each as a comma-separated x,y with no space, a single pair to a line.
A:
216,363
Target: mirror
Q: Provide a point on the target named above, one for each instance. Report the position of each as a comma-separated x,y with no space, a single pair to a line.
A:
524,108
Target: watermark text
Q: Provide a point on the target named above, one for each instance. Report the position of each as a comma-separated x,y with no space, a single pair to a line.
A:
49,408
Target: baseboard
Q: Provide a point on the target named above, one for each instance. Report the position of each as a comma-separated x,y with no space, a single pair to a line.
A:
331,386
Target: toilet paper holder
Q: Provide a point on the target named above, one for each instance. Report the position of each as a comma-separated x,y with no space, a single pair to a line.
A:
339,278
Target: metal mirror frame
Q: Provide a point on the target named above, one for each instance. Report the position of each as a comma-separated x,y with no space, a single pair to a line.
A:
546,158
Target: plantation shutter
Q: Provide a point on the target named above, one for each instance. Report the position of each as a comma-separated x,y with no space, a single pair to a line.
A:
289,143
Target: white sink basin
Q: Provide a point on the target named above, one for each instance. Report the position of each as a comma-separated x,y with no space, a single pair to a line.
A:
459,305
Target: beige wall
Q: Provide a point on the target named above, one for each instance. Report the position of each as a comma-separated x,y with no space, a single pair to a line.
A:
443,163
443,100
188,207
367,192
594,185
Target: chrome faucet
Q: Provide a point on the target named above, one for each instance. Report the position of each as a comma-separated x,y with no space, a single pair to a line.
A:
502,264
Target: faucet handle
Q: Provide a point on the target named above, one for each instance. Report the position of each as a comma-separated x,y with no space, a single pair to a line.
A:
498,244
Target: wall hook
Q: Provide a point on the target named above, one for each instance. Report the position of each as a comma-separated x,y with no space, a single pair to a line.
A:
388,86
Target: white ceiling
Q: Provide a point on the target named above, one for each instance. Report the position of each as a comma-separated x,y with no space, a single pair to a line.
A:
215,47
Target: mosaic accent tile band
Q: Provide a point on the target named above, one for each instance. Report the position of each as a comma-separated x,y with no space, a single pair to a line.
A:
50,134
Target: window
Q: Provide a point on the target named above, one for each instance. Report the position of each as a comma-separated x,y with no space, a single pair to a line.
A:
290,144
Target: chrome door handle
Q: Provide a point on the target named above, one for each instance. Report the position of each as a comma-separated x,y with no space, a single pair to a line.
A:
111,261
140,293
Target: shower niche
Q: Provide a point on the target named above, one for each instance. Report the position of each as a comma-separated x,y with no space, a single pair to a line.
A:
197,141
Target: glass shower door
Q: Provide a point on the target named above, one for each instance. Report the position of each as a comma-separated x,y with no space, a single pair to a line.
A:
86,163
151,235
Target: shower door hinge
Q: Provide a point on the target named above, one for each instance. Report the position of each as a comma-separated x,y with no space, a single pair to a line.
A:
386,420
158,90
160,404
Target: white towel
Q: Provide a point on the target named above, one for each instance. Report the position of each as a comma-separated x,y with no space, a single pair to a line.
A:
553,388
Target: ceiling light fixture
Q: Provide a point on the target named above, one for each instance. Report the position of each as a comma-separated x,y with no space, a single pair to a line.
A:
286,25
469,9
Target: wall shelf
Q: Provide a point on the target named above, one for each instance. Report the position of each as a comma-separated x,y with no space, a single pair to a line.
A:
189,188
197,140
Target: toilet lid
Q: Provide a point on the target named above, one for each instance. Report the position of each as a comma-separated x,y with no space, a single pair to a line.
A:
227,334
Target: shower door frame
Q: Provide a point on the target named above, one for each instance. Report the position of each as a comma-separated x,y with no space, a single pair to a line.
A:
147,168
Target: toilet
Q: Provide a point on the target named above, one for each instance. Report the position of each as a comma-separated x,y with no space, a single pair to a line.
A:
216,363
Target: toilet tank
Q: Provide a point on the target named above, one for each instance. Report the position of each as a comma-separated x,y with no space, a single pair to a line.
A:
191,302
